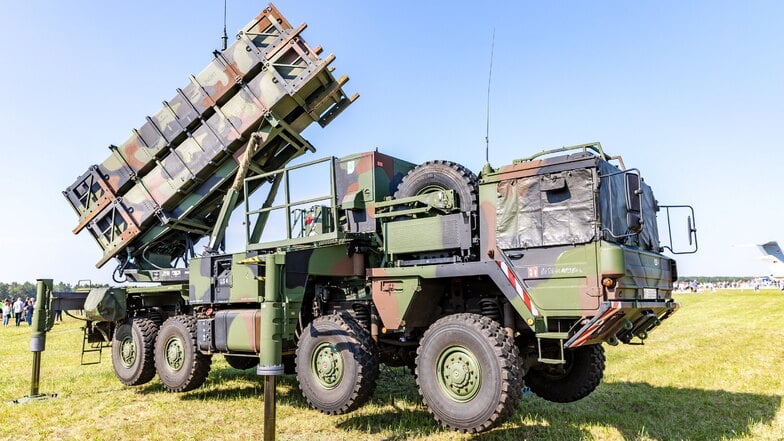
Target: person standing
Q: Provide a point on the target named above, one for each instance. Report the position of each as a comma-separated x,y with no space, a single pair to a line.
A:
18,306
29,312
6,312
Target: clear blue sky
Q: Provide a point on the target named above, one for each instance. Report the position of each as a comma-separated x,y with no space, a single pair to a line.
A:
691,93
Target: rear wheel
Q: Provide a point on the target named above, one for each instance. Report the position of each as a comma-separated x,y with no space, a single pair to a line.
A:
133,347
336,365
572,381
468,372
180,366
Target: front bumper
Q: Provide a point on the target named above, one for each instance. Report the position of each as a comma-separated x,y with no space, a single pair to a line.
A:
622,321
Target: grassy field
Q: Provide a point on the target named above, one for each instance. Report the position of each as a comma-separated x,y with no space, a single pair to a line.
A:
714,371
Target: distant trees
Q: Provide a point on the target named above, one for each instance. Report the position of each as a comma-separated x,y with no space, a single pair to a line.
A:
27,289
16,289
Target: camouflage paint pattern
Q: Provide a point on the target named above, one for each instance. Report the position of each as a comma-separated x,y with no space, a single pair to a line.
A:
556,274
269,81
238,330
392,287
362,180
234,282
200,281
542,282
561,280
437,234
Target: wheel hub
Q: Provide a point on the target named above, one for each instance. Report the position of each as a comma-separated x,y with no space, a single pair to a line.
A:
174,354
127,352
459,373
327,364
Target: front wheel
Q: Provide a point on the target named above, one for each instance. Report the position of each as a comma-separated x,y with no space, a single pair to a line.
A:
335,364
468,372
180,366
572,381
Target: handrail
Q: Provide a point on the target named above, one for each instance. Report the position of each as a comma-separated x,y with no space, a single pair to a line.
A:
595,146
252,236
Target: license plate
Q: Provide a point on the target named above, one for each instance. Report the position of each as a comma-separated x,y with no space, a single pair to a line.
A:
649,293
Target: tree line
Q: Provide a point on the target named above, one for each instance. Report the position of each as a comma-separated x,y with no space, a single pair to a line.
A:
27,289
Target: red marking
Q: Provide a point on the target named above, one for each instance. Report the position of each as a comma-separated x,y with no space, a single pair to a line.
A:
586,335
510,275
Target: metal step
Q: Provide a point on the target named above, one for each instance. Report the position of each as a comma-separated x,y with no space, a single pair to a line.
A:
560,337
93,343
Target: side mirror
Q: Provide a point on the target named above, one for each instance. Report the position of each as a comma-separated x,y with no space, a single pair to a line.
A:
677,239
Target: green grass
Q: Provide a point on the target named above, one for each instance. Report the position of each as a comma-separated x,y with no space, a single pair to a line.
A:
714,371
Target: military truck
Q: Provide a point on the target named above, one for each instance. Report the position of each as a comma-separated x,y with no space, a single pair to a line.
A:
479,284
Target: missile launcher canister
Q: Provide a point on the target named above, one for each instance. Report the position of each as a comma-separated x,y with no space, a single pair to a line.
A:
160,191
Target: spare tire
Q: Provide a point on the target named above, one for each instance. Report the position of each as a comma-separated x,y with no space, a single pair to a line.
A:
435,176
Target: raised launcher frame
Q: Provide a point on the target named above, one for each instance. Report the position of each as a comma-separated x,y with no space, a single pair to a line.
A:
160,191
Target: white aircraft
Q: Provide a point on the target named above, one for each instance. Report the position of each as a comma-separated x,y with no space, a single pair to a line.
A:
772,254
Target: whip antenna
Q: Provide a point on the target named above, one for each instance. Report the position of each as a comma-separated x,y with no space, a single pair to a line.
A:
489,80
225,37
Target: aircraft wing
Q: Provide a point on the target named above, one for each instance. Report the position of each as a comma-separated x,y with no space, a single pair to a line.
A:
772,254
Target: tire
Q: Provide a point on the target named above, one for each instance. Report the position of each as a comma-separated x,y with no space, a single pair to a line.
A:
468,372
582,373
336,365
180,366
133,348
441,175
240,362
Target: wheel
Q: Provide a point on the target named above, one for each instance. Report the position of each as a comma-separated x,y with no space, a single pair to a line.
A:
240,362
575,380
133,346
468,372
441,175
335,364
180,366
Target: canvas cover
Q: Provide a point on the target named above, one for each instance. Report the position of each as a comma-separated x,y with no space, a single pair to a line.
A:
545,210
560,209
105,305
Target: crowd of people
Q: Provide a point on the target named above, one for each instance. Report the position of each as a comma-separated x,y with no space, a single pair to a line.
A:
754,284
20,311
